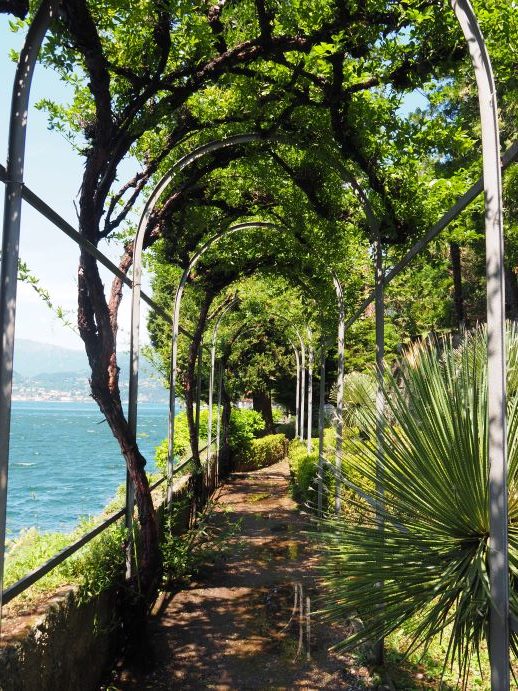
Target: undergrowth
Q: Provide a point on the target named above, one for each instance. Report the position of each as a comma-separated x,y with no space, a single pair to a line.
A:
94,568
185,554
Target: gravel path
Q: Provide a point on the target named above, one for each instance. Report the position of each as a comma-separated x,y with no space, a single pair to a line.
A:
241,624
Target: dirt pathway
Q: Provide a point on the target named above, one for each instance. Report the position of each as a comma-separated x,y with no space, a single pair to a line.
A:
245,625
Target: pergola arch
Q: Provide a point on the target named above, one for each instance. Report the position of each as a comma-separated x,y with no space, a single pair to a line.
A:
176,323
499,636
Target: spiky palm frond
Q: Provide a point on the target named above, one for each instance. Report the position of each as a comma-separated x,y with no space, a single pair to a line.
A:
359,399
431,556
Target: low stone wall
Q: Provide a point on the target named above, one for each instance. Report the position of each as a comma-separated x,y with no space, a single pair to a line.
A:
69,647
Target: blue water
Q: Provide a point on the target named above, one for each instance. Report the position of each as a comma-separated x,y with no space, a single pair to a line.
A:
65,463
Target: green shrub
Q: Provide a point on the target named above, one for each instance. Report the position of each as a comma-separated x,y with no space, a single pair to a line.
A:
303,468
277,414
182,440
94,568
286,428
304,471
263,452
244,425
185,553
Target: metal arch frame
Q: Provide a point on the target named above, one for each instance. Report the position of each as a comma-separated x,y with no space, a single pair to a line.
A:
323,350
244,329
138,248
462,203
176,322
11,239
321,404
299,361
340,390
310,392
300,364
496,361
150,205
225,311
297,386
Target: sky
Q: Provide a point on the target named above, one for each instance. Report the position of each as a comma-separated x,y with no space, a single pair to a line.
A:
53,170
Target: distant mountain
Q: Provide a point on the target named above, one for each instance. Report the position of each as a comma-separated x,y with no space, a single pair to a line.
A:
48,372
32,358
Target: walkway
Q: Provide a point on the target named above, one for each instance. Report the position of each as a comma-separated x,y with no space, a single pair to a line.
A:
240,626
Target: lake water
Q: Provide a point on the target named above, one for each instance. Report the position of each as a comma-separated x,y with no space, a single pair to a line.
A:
65,463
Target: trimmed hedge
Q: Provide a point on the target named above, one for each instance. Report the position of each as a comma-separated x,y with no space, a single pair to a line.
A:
303,467
244,426
262,452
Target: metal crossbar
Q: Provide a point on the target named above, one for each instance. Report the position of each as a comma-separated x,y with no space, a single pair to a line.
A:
34,576
24,583
510,156
59,222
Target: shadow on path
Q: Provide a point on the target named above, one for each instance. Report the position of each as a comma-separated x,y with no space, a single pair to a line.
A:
246,624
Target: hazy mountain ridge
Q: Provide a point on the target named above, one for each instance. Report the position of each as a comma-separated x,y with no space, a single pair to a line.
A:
47,372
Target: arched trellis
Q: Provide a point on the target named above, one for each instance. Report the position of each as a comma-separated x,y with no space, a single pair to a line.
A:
242,330
245,329
176,320
215,330
135,312
212,370
176,316
374,225
499,627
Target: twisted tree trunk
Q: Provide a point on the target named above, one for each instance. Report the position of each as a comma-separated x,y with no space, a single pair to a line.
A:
262,403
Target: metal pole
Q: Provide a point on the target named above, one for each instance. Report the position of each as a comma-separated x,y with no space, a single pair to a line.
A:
321,404
11,240
302,387
176,325
453,212
496,364
380,407
310,397
340,392
212,369
218,421
132,414
198,391
297,392
211,393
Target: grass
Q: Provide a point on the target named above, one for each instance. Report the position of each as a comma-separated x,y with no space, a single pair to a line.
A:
93,568
425,669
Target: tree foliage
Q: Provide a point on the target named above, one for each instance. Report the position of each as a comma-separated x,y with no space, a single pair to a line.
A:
338,163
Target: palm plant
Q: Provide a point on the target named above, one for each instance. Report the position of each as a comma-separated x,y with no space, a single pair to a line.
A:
424,544
359,399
